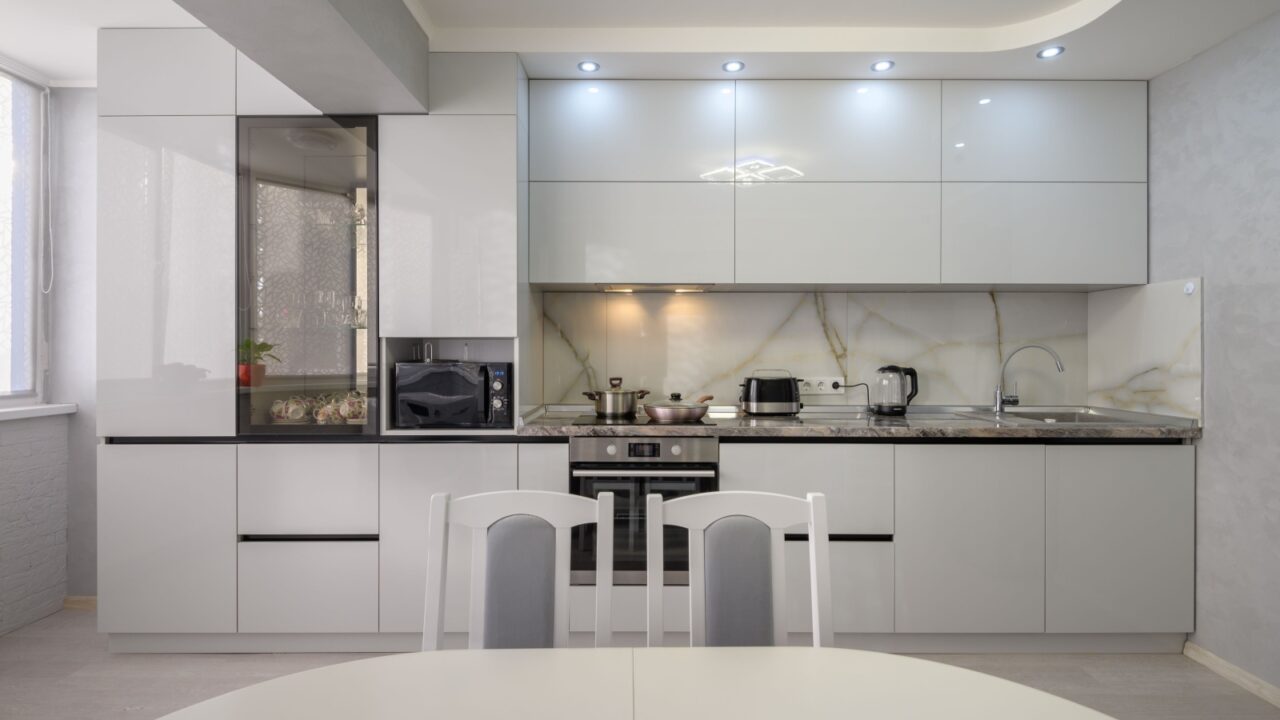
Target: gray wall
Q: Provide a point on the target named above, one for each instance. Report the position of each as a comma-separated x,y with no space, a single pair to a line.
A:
33,519
74,314
1215,211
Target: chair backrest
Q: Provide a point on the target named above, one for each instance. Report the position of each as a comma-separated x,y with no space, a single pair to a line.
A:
779,512
480,513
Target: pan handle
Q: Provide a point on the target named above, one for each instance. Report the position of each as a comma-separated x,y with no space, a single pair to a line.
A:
592,395
706,398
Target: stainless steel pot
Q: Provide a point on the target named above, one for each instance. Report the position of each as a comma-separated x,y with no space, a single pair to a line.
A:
676,410
615,402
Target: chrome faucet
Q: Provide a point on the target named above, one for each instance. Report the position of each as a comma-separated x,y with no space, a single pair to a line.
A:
1001,398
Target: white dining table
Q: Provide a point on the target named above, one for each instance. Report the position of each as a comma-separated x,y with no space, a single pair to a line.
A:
642,683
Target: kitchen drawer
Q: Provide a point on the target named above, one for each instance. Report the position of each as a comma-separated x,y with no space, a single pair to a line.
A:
861,587
301,489
309,587
857,479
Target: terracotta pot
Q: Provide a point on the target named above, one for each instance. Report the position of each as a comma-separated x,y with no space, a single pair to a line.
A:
251,375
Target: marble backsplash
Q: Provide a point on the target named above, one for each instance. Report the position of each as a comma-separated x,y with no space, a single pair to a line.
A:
705,343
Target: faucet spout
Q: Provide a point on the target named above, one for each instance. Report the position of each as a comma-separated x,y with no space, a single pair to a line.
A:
1001,399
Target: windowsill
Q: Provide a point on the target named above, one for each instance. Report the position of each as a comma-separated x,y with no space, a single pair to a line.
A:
23,412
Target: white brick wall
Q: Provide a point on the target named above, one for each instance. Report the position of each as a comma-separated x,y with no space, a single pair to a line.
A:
33,519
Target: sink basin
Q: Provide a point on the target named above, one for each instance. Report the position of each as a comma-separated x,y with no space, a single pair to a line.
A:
1061,415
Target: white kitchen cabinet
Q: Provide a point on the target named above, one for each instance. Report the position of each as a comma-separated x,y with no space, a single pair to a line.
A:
447,199
167,538
631,130
856,479
165,71
1043,131
472,83
838,130
544,466
969,538
1120,545
410,475
308,587
861,587
629,233
834,233
166,276
258,92
1044,233
308,489
630,611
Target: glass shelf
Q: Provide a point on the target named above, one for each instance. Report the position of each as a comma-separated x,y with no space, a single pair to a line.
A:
307,276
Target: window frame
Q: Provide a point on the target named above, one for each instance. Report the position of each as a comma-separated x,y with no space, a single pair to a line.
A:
39,392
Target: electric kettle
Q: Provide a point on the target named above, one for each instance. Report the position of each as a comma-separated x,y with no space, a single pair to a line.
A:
889,394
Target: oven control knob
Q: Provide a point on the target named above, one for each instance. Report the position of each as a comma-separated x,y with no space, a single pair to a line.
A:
497,385
676,450
497,402
611,450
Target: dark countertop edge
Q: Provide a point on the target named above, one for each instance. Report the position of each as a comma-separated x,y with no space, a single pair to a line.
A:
724,439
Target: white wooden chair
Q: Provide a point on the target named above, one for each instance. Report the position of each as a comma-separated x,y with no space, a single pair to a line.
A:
778,512
480,513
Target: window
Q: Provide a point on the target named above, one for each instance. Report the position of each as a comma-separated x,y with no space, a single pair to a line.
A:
21,181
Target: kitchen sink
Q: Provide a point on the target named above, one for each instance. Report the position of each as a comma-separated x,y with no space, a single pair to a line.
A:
1075,416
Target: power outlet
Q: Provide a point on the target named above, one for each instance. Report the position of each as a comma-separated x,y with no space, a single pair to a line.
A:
822,386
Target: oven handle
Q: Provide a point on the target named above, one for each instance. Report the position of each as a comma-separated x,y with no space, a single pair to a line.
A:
644,473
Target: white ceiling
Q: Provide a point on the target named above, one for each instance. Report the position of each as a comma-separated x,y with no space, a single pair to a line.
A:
735,13
56,40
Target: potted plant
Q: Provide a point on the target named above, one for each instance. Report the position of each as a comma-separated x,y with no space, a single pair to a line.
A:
252,370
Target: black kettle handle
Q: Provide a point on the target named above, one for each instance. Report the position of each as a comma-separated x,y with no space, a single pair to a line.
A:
915,382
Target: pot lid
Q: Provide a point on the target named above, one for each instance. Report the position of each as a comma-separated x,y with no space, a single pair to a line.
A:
615,388
676,402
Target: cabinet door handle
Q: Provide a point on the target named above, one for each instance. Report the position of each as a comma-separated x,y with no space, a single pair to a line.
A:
640,473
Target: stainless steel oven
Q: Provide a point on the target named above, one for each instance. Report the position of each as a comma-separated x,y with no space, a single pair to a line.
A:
631,468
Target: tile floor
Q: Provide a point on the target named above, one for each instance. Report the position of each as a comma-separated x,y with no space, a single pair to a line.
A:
59,669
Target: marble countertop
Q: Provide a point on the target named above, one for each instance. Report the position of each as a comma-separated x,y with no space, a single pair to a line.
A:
950,422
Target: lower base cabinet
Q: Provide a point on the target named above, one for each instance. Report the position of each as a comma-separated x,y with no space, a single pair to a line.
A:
167,538
861,587
969,538
309,587
409,474
1120,539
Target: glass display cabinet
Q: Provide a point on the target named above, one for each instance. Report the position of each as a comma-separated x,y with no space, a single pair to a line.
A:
307,349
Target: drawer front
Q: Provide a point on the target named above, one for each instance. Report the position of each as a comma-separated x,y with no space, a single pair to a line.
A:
308,587
857,479
308,489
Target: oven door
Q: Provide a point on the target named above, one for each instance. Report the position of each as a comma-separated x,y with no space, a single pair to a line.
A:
630,484
442,394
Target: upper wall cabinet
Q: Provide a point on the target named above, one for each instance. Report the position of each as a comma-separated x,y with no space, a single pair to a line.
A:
837,130
166,276
660,130
448,226
1034,131
471,83
187,71
258,92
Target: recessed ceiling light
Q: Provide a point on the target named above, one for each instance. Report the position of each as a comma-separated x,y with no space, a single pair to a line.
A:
984,101
734,66
881,65
588,66
959,144
1051,52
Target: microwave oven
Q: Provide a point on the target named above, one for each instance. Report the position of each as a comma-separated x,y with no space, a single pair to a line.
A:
452,394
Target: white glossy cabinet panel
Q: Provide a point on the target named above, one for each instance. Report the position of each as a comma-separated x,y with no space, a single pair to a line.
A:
1120,546
308,489
835,233
1082,131
1044,233
447,245
258,92
410,475
167,538
969,542
166,276
857,479
171,71
631,232
630,130
834,130
472,83
544,466
861,587
309,587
